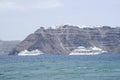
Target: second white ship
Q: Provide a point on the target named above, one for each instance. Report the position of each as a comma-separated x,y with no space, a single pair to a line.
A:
87,51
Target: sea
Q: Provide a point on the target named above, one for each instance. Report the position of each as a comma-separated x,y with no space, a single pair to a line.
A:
60,67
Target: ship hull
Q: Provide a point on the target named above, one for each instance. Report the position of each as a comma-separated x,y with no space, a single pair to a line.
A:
97,53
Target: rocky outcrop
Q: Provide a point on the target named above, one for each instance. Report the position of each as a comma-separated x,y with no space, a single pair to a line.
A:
63,39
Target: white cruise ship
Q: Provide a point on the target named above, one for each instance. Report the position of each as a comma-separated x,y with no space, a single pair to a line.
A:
30,53
87,51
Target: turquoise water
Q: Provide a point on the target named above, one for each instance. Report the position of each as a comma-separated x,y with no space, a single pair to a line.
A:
60,67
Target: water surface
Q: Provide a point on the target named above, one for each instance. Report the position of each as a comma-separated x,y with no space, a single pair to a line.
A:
60,67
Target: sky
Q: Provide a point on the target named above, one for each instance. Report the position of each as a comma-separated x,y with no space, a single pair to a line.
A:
19,18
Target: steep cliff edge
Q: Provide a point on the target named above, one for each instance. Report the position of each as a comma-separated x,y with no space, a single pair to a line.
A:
63,39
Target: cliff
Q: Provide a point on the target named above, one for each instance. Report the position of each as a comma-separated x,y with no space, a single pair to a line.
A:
63,39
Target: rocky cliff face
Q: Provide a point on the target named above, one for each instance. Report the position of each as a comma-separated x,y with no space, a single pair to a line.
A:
63,39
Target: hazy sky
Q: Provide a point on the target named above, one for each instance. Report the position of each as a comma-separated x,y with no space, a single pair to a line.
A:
18,18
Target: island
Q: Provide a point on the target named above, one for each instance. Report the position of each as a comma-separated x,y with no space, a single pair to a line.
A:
63,39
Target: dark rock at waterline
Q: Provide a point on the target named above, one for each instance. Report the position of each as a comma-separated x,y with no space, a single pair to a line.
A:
7,46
